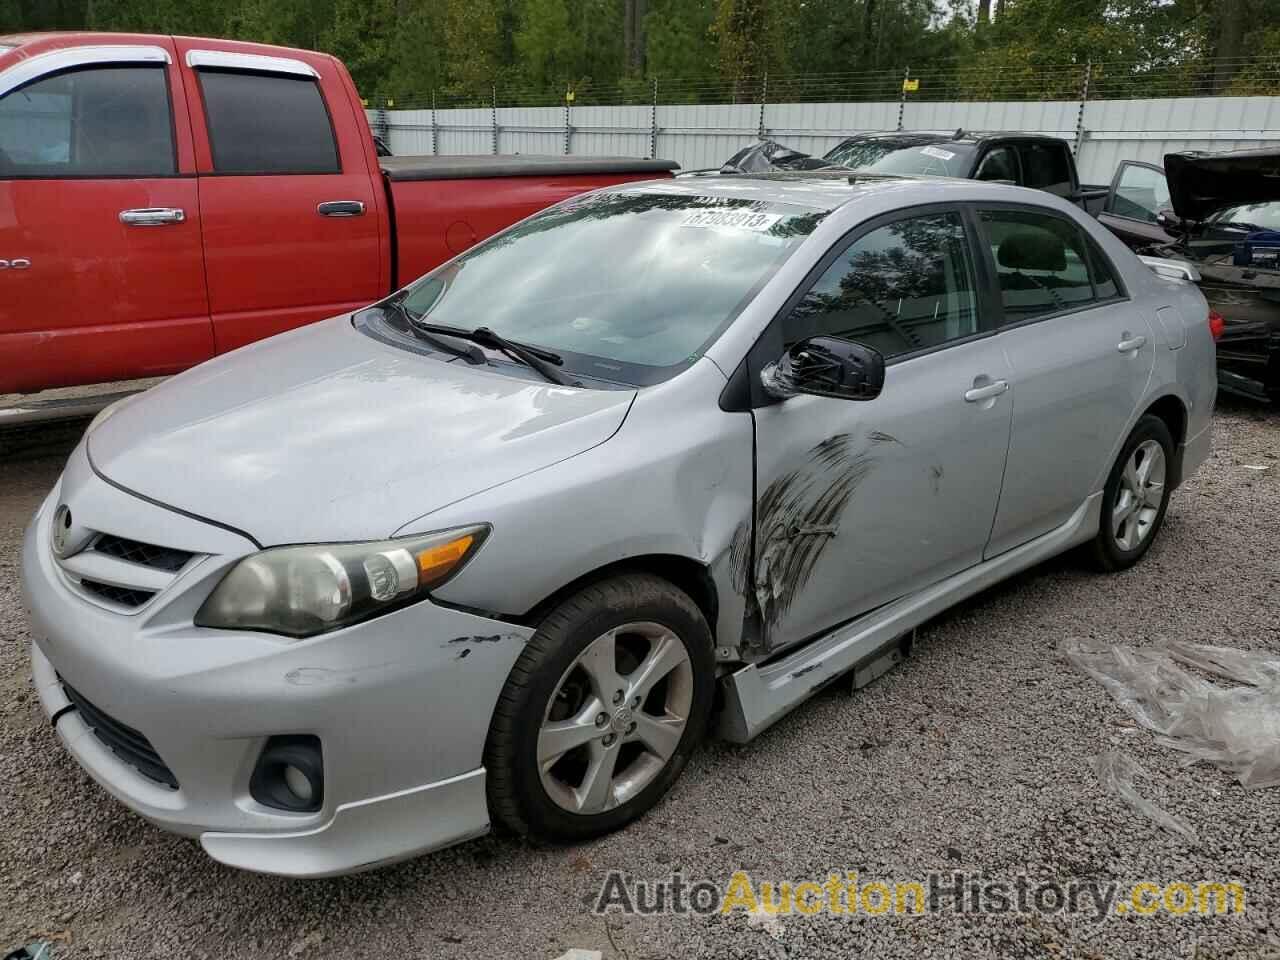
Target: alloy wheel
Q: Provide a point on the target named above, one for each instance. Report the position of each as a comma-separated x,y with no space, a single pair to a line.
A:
1139,496
616,718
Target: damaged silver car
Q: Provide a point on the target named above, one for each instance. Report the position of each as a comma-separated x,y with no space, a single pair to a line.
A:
655,464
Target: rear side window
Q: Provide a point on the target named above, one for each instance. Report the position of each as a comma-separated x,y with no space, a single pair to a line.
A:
999,164
267,124
1045,166
89,122
1042,263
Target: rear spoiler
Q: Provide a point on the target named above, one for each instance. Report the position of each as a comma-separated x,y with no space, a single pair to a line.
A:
1172,269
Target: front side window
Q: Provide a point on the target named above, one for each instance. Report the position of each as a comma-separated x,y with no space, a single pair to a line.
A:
999,164
1140,194
1041,263
629,287
267,124
89,122
900,288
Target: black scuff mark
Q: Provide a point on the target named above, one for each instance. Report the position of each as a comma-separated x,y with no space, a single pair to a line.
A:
799,515
464,653
803,670
740,557
483,638
935,478
879,436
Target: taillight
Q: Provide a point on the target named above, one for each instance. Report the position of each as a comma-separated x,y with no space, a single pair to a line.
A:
1217,324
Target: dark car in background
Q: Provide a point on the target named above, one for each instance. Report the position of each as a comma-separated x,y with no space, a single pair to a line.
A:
1221,213
1025,159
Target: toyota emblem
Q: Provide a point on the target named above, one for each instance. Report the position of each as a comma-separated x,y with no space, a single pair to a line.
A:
61,529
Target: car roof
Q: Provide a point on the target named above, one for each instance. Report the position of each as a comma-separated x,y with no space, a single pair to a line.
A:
920,137
824,189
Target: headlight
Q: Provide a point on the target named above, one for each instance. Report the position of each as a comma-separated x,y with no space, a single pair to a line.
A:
303,591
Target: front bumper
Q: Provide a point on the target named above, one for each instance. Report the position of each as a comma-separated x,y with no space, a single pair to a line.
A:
401,705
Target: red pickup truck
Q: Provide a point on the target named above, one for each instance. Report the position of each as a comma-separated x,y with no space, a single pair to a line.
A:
167,199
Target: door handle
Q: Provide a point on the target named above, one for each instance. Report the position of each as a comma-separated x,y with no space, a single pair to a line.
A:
986,392
1130,344
152,216
341,208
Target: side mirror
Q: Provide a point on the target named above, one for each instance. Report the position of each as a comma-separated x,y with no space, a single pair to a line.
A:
826,367
1168,220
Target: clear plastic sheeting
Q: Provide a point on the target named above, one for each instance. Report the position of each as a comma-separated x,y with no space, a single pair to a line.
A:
1117,773
1176,691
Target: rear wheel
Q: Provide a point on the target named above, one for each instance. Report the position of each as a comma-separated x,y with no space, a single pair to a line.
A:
1135,497
602,711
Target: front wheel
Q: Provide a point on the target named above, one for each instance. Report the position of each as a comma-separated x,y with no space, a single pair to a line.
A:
1135,497
602,711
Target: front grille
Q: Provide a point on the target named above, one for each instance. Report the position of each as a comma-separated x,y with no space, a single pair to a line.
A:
124,741
123,596
143,554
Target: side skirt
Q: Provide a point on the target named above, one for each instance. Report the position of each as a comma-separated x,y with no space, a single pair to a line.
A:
756,696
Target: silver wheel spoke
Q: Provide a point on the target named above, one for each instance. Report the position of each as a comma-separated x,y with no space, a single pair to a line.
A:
1153,495
1125,505
596,792
666,654
558,738
660,734
600,661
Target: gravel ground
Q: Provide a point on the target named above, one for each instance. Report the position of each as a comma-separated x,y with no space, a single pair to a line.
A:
972,756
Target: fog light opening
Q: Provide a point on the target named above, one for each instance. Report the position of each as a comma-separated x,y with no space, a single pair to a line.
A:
290,775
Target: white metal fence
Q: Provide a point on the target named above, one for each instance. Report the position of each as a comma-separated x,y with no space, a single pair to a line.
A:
700,136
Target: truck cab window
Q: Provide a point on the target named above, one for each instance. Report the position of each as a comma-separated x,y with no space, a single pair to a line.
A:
999,164
267,124
903,287
1046,167
90,122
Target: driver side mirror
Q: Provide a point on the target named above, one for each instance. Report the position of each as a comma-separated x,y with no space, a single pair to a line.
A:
1168,220
826,367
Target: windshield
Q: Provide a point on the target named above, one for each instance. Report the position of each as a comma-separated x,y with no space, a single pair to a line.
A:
627,287
857,154
1256,216
933,160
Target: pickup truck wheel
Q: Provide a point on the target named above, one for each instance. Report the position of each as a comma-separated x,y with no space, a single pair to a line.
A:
602,711
1135,497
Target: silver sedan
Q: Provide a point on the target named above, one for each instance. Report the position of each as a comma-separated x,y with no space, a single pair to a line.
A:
485,550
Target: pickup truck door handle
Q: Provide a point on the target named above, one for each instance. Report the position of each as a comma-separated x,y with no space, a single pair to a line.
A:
987,391
1130,344
341,208
151,216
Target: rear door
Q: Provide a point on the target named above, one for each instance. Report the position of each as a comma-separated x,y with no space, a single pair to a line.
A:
1081,355
101,274
290,217
860,502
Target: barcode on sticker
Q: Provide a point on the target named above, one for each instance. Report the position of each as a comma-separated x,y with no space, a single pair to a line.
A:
937,153
734,219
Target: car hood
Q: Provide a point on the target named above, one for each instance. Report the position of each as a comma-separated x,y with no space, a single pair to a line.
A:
326,434
1201,183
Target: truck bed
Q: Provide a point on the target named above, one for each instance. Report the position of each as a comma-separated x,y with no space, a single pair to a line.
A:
484,166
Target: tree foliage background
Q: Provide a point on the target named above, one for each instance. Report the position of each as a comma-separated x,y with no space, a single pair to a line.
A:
461,48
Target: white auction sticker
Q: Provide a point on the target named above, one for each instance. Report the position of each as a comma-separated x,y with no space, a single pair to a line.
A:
734,219
937,153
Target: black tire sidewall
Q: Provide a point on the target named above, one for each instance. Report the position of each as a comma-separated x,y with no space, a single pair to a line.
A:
565,637
1110,554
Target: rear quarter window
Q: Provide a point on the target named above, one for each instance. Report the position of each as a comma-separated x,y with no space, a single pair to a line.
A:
267,124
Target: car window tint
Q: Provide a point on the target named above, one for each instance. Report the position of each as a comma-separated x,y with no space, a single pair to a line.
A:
90,122
902,287
261,123
1140,194
998,164
1045,166
1041,262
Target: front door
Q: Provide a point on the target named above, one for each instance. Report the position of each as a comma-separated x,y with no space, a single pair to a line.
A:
1082,354
860,502
101,272
292,226
1139,194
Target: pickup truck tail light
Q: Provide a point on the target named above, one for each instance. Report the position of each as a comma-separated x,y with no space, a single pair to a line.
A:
1217,324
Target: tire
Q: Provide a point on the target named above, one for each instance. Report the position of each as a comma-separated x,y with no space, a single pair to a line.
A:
1121,543
560,682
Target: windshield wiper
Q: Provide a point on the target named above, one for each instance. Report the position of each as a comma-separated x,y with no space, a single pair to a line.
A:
534,357
470,353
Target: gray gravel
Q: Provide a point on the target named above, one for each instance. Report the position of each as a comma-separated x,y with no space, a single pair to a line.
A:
971,756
